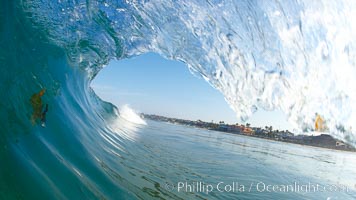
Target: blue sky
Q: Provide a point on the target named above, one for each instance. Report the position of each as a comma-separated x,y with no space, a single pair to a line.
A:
154,85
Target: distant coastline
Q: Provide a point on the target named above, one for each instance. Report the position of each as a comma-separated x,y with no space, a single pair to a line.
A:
322,141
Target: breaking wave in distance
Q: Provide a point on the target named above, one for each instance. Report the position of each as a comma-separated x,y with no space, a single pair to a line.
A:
130,115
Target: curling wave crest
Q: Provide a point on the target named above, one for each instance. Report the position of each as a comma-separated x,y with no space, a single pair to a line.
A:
296,56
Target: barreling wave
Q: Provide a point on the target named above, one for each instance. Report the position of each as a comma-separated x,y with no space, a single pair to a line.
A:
296,56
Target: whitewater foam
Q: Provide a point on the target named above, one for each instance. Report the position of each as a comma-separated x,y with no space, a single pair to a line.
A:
127,113
125,124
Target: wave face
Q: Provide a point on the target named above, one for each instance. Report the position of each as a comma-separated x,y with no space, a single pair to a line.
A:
297,56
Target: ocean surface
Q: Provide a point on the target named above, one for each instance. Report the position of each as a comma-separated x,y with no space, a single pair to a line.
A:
296,56
157,160
190,163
